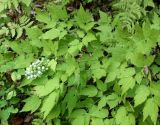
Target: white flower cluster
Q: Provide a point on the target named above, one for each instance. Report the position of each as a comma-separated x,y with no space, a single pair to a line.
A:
36,69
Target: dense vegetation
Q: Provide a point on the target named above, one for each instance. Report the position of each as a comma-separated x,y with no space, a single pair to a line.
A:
79,62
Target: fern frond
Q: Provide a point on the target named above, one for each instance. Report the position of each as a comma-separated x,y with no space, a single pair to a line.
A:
16,30
128,12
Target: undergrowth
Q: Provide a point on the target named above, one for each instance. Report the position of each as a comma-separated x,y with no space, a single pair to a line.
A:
88,62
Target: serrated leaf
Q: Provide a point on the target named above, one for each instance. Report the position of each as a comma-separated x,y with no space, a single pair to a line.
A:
80,117
78,121
88,38
111,76
98,73
98,113
51,34
33,32
108,121
131,119
58,12
113,100
83,16
102,103
71,99
7,66
155,88
15,76
5,113
75,46
97,121
101,86
27,2
3,103
78,112
11,94
138,77
42,16
51,85
149,3
49,103
120,116
2,7
142,93
127,72
104,18
31,104
140,60
123,118
127,83
89,91
150,109
52,64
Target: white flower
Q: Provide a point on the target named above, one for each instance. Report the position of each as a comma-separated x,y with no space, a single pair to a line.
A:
36,69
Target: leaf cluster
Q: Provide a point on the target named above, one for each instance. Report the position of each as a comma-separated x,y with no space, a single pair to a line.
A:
101,72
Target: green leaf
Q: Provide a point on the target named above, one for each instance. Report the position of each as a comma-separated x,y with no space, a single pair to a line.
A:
150,109
89,91
33,32
52,64
23,61
104,18
71,99
156,22
138,77
155,88
5,113
51,34
80,120
98,73
126,72
142,93
127,83
6,67
27,2
101,86
31,104
131,119
88,38
141,60
58,12
121,116
98,113
149,3
11,94
51,85
78,112
102,103
97,121
49,102
3,103
15,76
82,16
108,121
80,117
2,7
75,47
42,16
112,100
